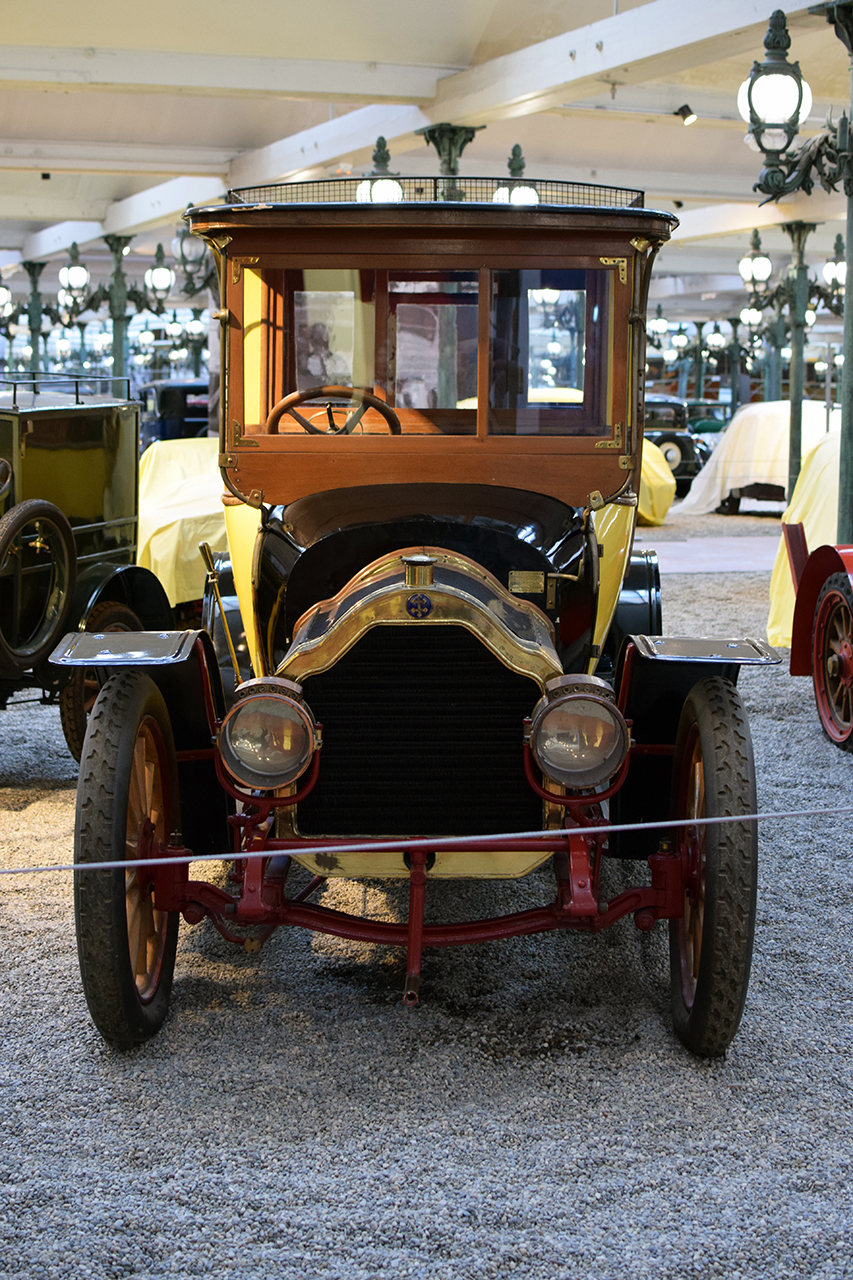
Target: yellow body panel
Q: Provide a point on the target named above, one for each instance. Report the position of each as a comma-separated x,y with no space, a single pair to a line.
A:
241,524
614,528
450,864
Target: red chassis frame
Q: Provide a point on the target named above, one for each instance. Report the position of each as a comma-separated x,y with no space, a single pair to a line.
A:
262,863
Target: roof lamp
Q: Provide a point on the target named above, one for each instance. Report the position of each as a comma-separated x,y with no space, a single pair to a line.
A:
187,248
75,276
687,116
379,191
658,323
835,270
775,99
159,279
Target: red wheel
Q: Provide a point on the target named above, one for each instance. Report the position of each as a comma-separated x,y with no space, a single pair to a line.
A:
832,660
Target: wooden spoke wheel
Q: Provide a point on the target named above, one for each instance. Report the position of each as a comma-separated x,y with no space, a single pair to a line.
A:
832,659
711,945
127,805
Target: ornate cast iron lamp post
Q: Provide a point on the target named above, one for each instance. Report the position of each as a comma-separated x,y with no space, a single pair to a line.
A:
774,101
449,140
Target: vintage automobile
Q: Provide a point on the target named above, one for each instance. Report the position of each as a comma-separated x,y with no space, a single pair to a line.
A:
822,640
173,410
666,426
458,671
68,498
708,417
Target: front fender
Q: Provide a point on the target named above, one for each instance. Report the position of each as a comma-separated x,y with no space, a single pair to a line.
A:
821,564
183,665
128,584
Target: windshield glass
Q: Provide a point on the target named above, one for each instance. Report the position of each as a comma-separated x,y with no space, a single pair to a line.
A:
426,343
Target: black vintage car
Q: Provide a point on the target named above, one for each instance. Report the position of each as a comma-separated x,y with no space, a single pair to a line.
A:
173,410
431,436
666,426
68,509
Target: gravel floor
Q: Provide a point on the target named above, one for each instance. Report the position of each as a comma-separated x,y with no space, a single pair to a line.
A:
533,1116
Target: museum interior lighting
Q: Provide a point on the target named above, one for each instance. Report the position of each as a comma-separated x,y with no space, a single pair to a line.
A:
687,116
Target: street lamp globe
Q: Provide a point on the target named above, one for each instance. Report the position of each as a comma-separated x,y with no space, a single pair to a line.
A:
75,276
775,99
187,248
159,279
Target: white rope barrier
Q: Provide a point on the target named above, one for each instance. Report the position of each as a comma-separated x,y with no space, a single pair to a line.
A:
431,846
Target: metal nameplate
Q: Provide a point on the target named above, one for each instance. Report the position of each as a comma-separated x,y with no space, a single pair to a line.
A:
123,648
526,582
741,650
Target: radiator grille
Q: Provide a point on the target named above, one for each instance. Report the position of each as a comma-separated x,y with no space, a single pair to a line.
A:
422,735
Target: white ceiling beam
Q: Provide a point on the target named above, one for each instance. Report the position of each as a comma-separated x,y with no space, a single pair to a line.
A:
352,135
654,40
133,70
730,219
691,285
37,154
59,239
657,39
159,205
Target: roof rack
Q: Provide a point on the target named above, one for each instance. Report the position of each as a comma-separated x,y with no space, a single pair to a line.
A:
35,383
520,192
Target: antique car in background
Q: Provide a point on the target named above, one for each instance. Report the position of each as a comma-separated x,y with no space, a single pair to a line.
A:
173,410
666,426
750,459
68,515
431,437
708,417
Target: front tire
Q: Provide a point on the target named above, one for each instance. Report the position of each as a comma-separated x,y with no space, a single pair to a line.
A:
38,570
127,795
832,660
78,697
711,945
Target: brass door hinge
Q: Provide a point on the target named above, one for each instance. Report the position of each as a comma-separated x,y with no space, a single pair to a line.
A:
237,265
615,442
621,263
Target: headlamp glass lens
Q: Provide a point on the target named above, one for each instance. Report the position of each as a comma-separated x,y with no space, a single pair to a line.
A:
580,742
267,742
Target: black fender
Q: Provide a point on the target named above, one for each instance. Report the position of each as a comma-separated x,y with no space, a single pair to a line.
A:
638,609
183,665
129,584
654,676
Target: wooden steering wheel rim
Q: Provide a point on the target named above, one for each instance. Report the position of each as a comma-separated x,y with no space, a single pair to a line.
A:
314,393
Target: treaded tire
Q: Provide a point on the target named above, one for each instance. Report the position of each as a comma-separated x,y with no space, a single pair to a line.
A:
128,772
44,614
711,946
832,660
78,697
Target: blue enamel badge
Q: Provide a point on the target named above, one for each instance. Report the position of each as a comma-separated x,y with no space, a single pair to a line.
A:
418,606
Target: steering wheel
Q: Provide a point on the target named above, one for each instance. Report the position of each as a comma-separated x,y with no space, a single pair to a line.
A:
365,399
